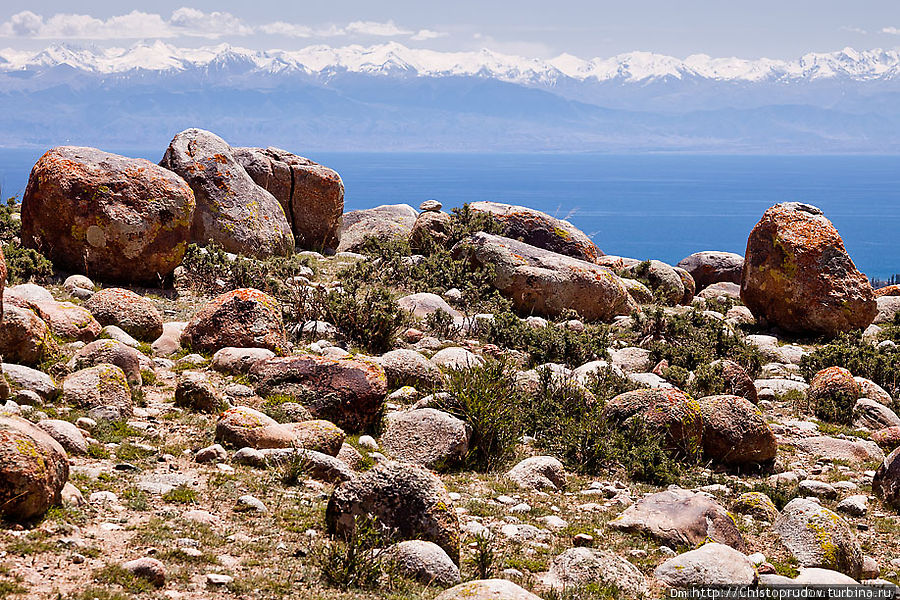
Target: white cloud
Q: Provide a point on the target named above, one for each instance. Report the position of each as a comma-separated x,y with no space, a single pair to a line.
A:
858,30
428,34
891,30
388,29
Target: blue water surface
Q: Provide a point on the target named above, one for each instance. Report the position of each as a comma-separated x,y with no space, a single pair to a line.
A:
643,206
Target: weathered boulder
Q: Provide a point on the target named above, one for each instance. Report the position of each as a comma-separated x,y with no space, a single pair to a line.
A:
455,358
316,465
710,564
670,411
735,432
169,342
665,282
237,361
833,393
24,337
408,499
639,292
798,276
110,352
103,386
873,391
425,437
818,537
66,434
382,222
117,218
33,470
540,229
678,517
311,195
423,561
546,283
886,483
888,290
135,315
348,392
710,267
25,378
65,320
581,567
149,569
888,306
195,391
242,318
889,437
423,304
431,227
873,415
243,427
408,367
850,450
232,209
487,589
721,290
539,473
737,380
756,504
690,286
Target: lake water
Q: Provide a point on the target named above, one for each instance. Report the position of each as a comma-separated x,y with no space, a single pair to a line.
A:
643,206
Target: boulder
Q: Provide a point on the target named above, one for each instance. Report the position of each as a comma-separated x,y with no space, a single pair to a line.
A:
169,342
737,380
690,286
670,411
103,386
888,290
425,437
665,282
850,450
874,415
311,195
721,290
195,391
735,432
314,464
540,229
757,505
391,221
425,562
242,318
407,499
349,392
431,228
678,517
578,568
424,303
886,483
33,470
710,267
455,358
25,378
408,367
889,437
711,564
888,306
873,391
539,473
115,218
818,537
237,361
67,321
232,209
135,315
110,352
639,292
798,276
24,337
487,589
545,283
833,393
2,280
66,434
148,569
243,427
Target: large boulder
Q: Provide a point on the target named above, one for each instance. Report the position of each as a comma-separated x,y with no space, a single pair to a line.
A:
426,437
311,195
670,411
545,283
870,414
711,564
242,318
849,450
819,537
886,483
68,321
391,221
539,473
833,393
33,470
407,499
678,517
431,227
798,276
735,432
540,229
581,567
423,561
709,267
135,315
24,378
24,337
108,216
232,209
101,387
888,307
349,392
408,367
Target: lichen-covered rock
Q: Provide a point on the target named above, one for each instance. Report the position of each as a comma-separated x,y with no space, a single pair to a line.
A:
833,393
886,483
195,391
243,318
243,427
737,380
391,221
670,411
236,361
638,291
735,432
540,229
33,470
665,282
102,386
24,337
408,367
426,437
25,378
756,504
349,392
889,437
65,320
711,564
690,286
545,283
678,517
311,195
539,473
135,315
117,218
487,589
408,499
110,352
818,537
798,276
581,567
232,209
423,561
709,267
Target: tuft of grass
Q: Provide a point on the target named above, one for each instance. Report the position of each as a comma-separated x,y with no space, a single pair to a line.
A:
181,495
113,574
355,562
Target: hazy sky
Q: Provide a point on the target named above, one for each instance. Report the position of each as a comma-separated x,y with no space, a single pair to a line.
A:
534,28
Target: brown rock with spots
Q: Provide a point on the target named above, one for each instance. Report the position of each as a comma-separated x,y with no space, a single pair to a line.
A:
889,437
243,427
798,276
33,470
242,318
690,286
68,321
24,338
110,352
710,266
540,229
135,315
407,499
311,195
232,209
107,216
100,387
832,394
888,290
737,380
670,411
735,432
346,391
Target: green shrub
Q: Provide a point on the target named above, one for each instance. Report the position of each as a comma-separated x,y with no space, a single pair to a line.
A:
10,223
850,351
354,562
26,264
368,315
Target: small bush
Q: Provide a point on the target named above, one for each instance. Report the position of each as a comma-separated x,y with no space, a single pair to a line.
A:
181,495
370,316
26,264
353,563
484,560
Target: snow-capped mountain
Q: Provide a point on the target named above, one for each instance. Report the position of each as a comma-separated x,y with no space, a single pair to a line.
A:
395,97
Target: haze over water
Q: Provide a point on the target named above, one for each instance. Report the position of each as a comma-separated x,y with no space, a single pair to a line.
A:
643,206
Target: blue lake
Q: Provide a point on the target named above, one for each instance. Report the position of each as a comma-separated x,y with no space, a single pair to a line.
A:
644,206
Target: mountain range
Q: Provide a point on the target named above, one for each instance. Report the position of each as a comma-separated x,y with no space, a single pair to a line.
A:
392,97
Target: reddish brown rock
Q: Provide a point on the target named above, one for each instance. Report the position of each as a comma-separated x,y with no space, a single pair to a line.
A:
431,227
33,470
735,432
24,338
670,411
737,380
242,318
243,427
798,276
107,216
889,437
311,195
232,209
68,321
690,286
709,267
888,290
832,394
886,483
110,352
347,392
135,315
540,229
